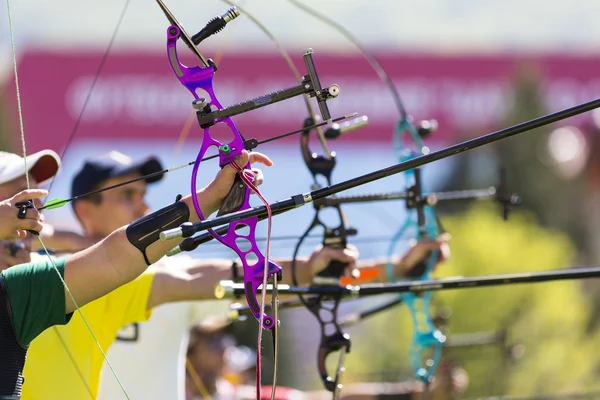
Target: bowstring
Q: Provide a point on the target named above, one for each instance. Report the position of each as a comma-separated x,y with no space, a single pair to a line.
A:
24,150
248,177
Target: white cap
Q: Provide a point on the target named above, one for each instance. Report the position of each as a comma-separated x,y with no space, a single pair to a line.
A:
42,166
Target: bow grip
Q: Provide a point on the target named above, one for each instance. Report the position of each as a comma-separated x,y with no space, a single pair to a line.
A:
333,271
334,238
329,344
235,198
420,268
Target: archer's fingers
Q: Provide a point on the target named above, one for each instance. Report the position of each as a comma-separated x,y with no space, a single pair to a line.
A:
343,255
245,157
444,252
17,234
29,194
31,214
444,237
258,178
256,157
29,224
352,271
352,248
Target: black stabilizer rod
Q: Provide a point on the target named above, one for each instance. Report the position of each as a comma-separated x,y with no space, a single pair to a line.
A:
302,199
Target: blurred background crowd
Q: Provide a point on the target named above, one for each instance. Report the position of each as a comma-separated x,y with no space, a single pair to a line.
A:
475,67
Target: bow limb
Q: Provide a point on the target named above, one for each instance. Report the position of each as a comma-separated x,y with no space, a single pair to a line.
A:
69,141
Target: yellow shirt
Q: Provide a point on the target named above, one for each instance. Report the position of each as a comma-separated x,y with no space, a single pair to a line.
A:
49,371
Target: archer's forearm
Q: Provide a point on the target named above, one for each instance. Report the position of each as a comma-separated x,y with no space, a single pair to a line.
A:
100,269
115,261
179,284
208,204
303,271
63,241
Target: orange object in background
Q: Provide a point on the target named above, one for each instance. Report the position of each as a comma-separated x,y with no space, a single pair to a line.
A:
366,275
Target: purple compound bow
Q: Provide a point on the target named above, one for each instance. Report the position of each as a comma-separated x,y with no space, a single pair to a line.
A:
210,113
252,259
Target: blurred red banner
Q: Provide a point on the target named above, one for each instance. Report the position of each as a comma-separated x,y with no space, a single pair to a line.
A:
138,97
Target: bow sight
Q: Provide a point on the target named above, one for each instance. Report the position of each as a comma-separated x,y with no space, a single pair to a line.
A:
207,117
310,86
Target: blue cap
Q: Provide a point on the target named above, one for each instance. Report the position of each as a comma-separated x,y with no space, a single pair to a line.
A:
111,165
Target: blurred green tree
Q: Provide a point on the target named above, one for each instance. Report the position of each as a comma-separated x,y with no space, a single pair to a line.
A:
548,319
551,196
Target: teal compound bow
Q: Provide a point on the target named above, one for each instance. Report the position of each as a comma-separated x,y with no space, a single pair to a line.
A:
427,342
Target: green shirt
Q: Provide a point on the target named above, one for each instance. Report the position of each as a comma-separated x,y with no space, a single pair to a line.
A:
37,297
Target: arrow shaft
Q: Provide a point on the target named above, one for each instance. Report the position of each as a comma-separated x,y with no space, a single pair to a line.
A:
303,199
233,289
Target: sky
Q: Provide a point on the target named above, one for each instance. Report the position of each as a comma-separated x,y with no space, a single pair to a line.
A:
426,25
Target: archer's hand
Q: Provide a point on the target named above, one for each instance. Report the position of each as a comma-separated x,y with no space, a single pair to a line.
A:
214,194
322,256
14,253
420,252
11,226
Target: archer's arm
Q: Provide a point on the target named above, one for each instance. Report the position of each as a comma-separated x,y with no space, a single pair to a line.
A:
198,281
62,241
419,252
114,261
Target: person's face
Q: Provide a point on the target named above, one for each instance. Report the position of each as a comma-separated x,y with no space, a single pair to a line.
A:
208,356
119,206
